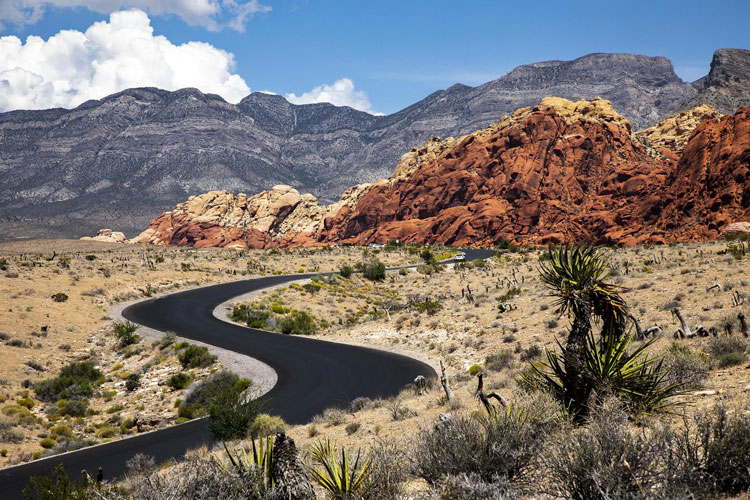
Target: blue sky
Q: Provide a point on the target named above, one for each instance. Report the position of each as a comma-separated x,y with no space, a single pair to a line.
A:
393,53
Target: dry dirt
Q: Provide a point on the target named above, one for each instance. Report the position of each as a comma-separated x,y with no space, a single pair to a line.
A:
462,333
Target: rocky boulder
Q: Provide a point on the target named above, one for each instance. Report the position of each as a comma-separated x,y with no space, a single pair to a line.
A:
107,236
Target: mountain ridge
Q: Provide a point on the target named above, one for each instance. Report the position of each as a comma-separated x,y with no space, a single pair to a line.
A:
122,159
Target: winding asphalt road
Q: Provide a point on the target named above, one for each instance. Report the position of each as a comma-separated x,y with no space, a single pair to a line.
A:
312,375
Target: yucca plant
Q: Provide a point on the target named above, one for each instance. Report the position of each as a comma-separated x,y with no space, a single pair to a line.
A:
247,464
336,474
611,367
577,276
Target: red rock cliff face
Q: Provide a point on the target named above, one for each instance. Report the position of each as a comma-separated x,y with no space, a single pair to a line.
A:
560,172
547,177
710,186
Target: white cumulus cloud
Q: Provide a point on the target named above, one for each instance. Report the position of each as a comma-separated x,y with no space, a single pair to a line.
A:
211,14
72,67
340,93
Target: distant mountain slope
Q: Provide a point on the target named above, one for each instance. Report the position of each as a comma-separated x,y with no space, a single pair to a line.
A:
727,85
123,159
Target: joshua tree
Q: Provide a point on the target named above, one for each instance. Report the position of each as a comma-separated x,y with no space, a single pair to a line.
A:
577,276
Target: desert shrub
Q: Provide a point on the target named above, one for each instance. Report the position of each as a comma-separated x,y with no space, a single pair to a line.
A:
60,431
530,353
125,333
500,446
19,414
351,428
607,460
106,432
474,369
25,402
60,297
403,271
199,395
298,323
277,308
254,318
731,359
47,443
231,413
685,366
331,416
75,381
346,271
167,340
72,407
472,487
7,433
374,270
140,464
500,361
57,487
429,306
194,356
719,346
360,403
266,425
193,478
728,451
387,472
179,380
133,382
509,294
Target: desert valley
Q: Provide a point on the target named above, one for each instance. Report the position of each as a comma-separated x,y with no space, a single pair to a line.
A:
535,287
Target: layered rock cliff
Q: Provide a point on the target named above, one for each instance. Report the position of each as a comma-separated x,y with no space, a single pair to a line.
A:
559,172
118,161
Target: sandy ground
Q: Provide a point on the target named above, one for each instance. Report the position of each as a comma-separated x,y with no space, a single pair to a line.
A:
383,314
40,335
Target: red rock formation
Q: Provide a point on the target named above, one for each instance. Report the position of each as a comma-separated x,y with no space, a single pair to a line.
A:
560,172
710,187
548,177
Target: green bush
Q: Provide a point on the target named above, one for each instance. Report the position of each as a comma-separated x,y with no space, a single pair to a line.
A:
429,306
133,382
374,270
254,318
179,380
346,271
266,425
231,414
57,487
277,308
47,443
474,369
75,381
72,407
298,323
732,359
729,452
125,333
194,356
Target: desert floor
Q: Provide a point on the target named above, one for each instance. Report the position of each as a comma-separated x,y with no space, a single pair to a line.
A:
42,335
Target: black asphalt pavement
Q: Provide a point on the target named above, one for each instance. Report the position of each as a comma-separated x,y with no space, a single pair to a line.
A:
312,375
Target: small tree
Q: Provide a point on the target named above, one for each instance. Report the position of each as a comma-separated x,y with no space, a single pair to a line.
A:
231,413
374,270
346,271
578,277
125,333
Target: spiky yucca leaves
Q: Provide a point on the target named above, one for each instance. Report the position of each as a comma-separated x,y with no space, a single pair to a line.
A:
576,275
340,478
249,464
612,368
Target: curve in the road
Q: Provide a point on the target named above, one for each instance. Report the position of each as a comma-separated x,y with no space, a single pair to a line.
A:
312,375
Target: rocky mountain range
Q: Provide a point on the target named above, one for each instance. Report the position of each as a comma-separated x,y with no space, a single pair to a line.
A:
561,171
119,161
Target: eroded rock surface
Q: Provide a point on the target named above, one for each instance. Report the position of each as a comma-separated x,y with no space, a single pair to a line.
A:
561,171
